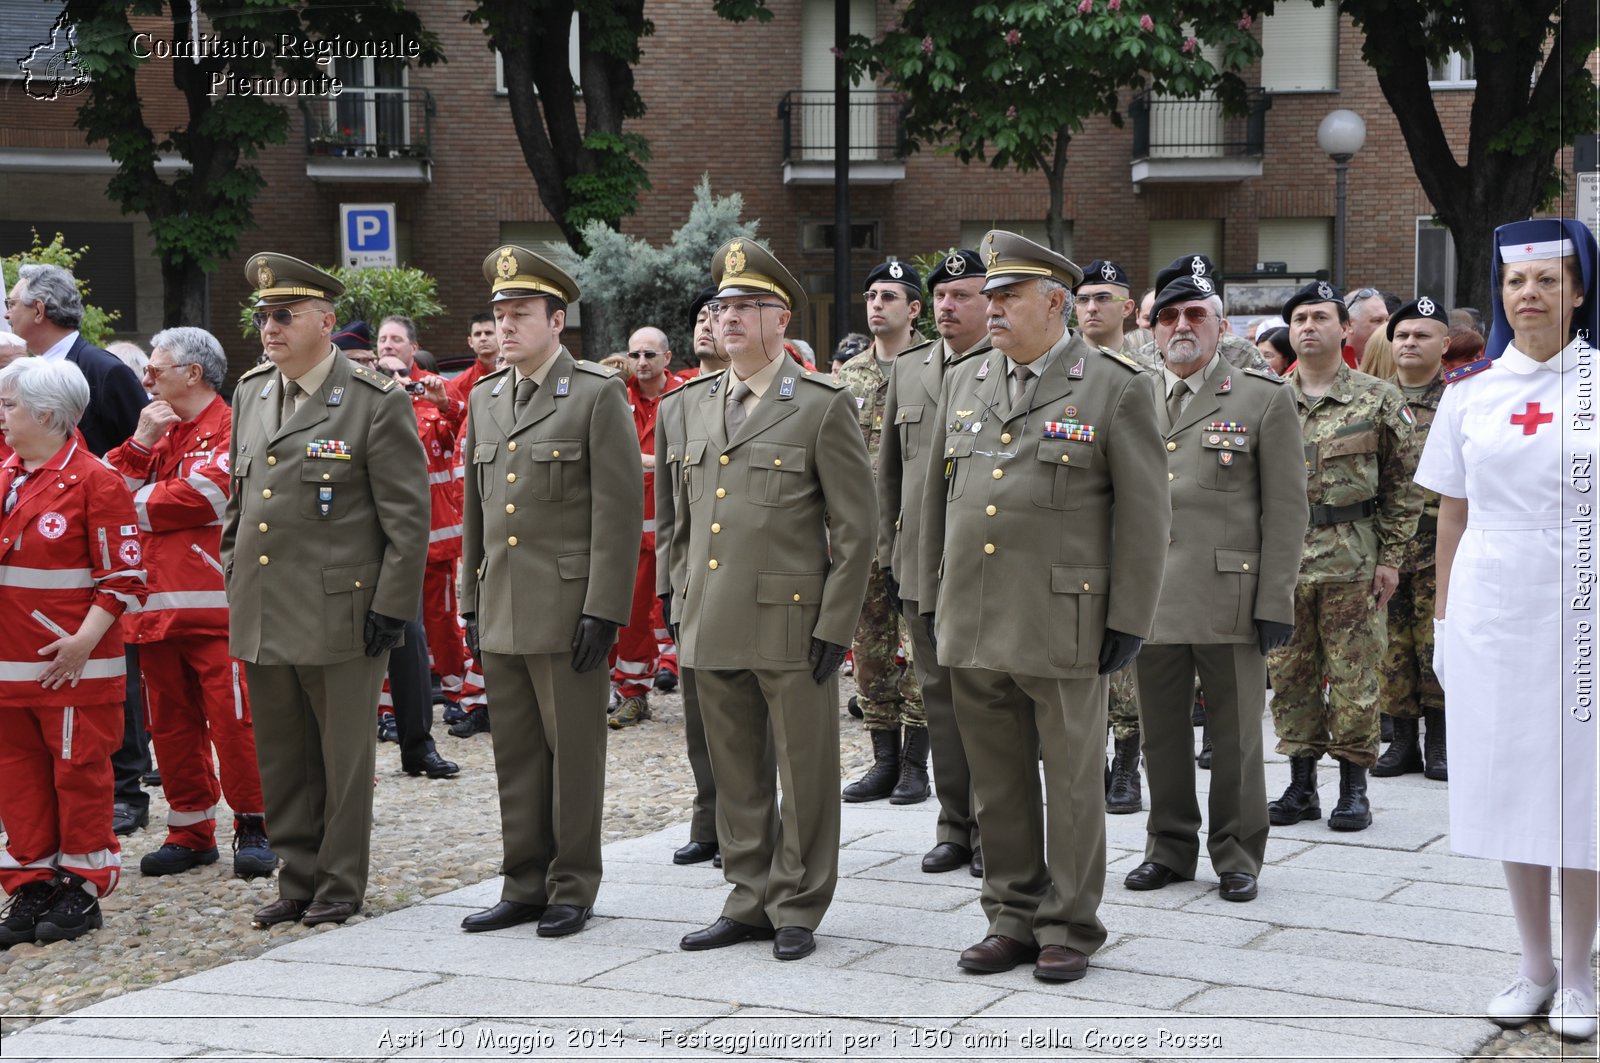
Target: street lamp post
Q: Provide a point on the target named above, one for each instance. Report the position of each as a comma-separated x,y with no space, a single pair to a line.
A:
1341,135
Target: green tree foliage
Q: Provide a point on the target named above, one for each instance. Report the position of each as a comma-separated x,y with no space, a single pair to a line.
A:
198,214
635,284
1011,83
96,324
1534,95
373,294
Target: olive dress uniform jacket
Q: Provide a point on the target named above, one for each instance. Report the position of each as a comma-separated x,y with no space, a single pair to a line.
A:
762,572
553,503
1035,540
1239,510
911,430
328,517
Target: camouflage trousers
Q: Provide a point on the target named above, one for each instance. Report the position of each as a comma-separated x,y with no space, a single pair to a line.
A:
888,694
1339,637
1123,714
1409,687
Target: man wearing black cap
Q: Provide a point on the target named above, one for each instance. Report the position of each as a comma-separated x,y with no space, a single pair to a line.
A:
960,315
1360,451
323,548
774,525
1238,523
355,340
1104,308
890,699
1235,350
1420,335
1044,527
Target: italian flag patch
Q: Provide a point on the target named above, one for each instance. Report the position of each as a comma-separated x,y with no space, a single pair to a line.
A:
1406,415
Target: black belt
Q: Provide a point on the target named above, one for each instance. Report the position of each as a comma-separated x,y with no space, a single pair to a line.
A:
1343,514
1428,524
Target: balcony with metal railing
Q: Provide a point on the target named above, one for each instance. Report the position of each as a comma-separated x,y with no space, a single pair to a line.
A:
877,137
370,134
1178,141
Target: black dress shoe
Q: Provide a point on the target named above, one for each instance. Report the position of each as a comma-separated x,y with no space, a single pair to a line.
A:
695,853
329,912
977,862
559,920
433,765
125,819
724,932
1151,876
1237,886
503,915
946,856
793,943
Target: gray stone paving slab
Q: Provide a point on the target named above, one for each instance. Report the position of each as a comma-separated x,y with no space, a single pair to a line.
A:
514,953
1456,1035
1391,950
1365,886
1214,920
902,926
51,1045
1320,911
856,861
554,1006
663,873
369,979
1451,897
483,894
1407,832
693,905
1432,863
649,935
922,896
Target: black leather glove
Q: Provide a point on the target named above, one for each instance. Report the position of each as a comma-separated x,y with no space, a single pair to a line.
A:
471,620
892,585
591,642
1118,649
1271,635
826,657
927,619
382,633
666,610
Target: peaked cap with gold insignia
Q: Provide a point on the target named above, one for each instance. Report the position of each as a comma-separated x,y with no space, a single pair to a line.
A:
1009,258
280,279
744,267
516,273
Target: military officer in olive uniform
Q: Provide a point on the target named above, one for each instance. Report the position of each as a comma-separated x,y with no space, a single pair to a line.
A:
774,523
323,547
960,315
1044,529
552,505
1360,451
1238,524
1235,350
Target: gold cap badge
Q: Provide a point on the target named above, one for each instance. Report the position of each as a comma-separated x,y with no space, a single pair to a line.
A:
734,263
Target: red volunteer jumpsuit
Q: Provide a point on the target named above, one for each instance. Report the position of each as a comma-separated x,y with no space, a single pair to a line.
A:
70,541
638,652
194,692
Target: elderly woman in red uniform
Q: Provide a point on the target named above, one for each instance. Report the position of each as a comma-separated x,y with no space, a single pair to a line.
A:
70,565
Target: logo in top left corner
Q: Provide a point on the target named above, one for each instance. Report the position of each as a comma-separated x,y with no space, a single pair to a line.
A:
50,67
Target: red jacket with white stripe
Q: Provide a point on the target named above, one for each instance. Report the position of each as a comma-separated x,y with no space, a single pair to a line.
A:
438,433
180,488
645,410
70,542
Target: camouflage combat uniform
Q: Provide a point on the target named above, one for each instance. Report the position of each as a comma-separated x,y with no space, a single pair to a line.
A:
889,695
1123,714
1360,450
1408,684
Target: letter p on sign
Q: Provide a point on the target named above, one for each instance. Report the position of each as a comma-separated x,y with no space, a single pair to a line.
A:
366,235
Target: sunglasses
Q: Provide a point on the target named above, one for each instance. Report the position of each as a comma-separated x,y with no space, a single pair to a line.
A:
1193,314
281,316
643,354
1359,294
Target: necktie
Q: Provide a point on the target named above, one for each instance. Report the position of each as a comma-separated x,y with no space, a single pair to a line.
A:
1180,391
291,391
525,390
1019,387
735,413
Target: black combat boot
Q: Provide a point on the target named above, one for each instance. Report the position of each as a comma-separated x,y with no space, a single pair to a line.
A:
1404,755
1202,759
1124,795
1299,800
1385,728
1433,753
913,785
1352,812
880,779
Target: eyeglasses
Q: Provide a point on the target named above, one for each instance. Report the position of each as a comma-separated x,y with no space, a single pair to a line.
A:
281,316
1194,315
1359,294
643,354
156,370
742,308
1098,299
10,302
886,298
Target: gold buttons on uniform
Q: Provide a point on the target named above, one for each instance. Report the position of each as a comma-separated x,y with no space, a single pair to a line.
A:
511,540
511,477
266,492
712,564
998,473
262,526
1170,476
722,492
1171,445
777,461
272,459
1005,437
1085,586
510,508
1247,566
358,584
1066,458
797,597
990,510
988,548
264,559
716,528
723,460
327,476
555,453
952,450
511,445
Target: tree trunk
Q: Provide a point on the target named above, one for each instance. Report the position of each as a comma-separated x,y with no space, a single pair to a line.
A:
1055,172
183,301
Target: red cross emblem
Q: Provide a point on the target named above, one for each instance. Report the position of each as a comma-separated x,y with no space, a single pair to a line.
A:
52,525
1530,419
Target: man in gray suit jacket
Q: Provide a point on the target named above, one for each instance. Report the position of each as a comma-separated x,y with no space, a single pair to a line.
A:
1239,513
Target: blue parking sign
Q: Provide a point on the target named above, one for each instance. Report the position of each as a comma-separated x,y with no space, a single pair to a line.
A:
367,235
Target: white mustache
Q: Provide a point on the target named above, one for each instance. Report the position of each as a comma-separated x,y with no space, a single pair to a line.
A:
999,322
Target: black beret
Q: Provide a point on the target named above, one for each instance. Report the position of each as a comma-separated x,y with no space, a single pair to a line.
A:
958,264
1105,271
1315,292
896,272
706,295
1182,289
1189,266
1423,307
353,337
